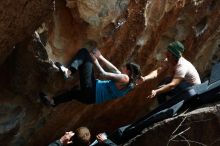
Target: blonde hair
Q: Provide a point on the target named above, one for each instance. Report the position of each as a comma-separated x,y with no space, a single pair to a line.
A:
83,136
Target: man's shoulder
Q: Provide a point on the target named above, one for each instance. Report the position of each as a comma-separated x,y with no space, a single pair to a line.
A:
182,64
183,61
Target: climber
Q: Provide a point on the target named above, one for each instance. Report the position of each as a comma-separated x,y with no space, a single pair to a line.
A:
183,73
190,98
118,83
82,137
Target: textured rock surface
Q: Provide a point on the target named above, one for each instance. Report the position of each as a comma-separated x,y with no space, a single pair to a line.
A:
137,30
18,20
194,128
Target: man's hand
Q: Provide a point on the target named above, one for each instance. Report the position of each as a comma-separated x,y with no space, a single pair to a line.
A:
153,94
101,137
96,53
140,81
67,138
37,35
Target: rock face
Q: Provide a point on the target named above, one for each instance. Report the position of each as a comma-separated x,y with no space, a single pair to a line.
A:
18,20
194,128
126,30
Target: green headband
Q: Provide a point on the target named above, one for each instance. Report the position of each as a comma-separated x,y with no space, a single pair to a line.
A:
176,48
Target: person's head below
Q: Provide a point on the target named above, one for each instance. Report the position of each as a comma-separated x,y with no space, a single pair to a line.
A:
175,51
82,137
133,70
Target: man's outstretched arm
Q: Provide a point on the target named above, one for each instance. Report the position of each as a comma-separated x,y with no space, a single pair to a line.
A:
165,88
